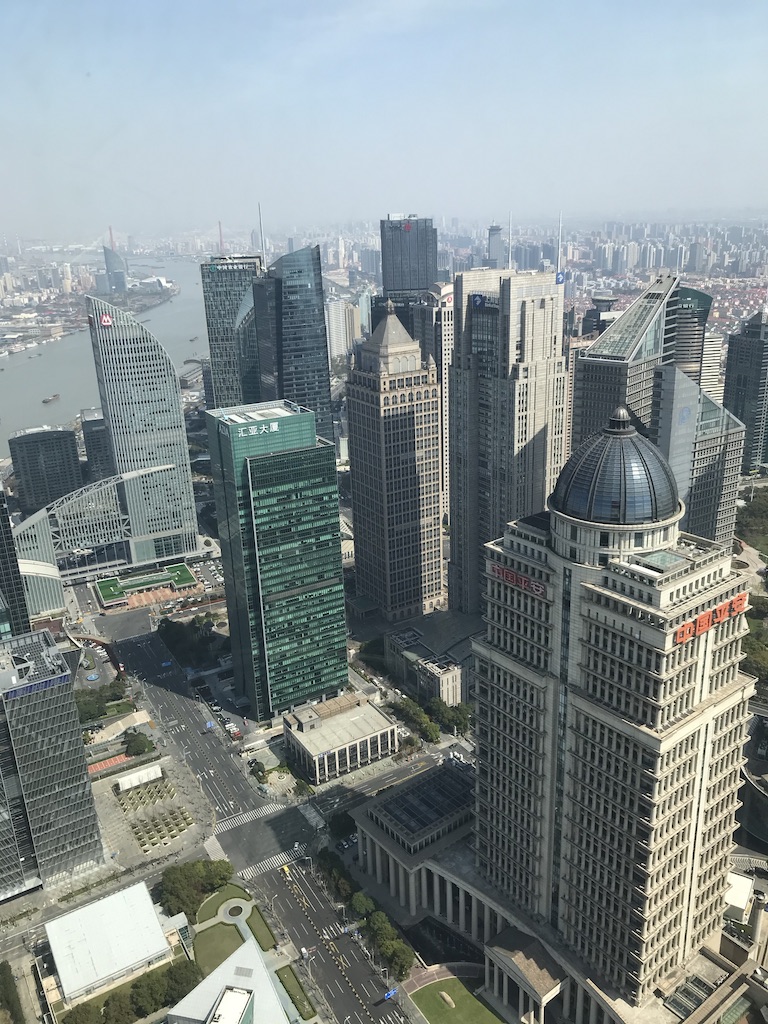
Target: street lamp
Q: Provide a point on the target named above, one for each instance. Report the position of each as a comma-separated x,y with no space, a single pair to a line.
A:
271,903
309,967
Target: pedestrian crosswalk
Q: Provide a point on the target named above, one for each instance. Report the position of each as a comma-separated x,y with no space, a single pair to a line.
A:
313,816
214,849
245,816
272,863
333,931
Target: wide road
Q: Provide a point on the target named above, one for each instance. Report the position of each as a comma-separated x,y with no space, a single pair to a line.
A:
253,831
337,962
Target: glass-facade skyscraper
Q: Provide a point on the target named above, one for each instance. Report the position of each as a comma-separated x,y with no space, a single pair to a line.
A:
746,387
49,831
228,298
141,402
13,610
292,339
278,512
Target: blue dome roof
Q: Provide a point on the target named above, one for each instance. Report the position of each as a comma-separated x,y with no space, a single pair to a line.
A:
616,477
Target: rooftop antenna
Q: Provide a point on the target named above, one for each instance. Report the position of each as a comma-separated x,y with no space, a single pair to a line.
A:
111,239
559,240
509,254
261,232
221,240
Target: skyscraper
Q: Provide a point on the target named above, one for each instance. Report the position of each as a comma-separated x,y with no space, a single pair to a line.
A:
48,826
495,258
408,256
635,363
46,465
97,446
11,586
227,296
291,336
618,368
611,716
746,387
117,274
278,513
433,329
508,412
141,402
393,409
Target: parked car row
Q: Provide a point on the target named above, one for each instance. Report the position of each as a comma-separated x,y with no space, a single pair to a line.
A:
345,844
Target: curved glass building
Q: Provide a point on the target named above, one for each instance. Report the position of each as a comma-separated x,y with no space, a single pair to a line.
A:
141,401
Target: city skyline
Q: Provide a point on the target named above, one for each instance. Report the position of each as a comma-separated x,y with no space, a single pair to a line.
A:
328,52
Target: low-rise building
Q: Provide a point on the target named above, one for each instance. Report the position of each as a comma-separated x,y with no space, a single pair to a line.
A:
338,736
441,678
431,656
114,938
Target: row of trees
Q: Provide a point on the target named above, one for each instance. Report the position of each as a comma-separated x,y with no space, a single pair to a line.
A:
379,930
148,994
448,718
756,644
92,704
9,997
417,719
183,887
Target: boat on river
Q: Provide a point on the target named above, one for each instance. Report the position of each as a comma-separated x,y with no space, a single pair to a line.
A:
51,398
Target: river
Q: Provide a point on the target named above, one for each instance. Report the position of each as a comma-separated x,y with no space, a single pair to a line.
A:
66,366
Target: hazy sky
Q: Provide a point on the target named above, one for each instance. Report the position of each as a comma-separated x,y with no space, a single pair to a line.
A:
166,115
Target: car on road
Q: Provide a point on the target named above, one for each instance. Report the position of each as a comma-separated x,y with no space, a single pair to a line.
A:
340,846
215,707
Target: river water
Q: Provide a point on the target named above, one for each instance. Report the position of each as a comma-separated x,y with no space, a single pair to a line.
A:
66,366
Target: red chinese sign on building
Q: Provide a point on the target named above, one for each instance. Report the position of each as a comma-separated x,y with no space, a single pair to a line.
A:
516,579
713,617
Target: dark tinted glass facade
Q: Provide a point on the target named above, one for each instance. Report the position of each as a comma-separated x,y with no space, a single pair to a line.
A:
46,464
408,256
227,281
292,340
11,586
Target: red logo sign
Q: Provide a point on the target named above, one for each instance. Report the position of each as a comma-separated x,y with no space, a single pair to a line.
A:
407,226
713,617
105,320
516,579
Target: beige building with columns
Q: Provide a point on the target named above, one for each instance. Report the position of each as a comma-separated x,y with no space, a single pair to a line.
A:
610,724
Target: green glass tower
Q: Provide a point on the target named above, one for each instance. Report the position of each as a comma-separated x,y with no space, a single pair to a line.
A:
278,511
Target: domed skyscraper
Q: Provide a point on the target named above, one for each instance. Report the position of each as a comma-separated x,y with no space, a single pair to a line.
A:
611,718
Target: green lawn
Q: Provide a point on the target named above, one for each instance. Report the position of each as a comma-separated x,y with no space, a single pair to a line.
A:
295,990
261,930
210,908
113,589
468,1009
214,945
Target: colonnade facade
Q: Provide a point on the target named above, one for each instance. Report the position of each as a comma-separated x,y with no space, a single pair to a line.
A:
427,886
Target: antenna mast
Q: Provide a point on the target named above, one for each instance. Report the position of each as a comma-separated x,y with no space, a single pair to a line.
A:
509,238
559,239
221,240
261,232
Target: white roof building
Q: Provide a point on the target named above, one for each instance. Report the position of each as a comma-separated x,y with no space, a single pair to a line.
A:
108,939
232,990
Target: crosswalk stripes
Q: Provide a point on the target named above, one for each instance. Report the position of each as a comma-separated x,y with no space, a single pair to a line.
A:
313,816
214,849
271,863
241,819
